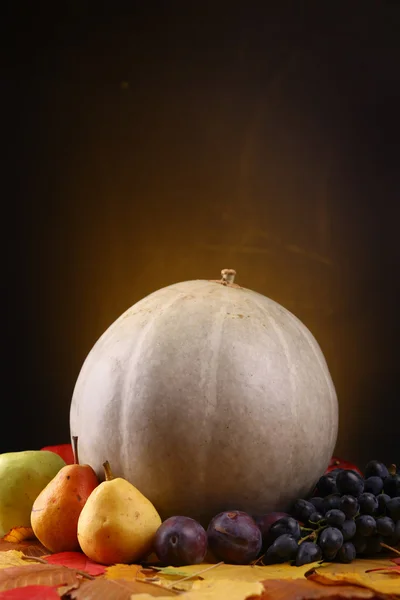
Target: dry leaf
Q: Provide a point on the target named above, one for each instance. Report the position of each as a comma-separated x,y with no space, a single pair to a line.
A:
117,589
29,548
31,592
127,572
276,589
390,570
221,589
19,534
36,574
75,560
376,582
237,572
360,572
12,558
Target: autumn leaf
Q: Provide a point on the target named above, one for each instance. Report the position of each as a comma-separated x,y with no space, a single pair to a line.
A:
19,534
12,558
303,589
390,570
36,574
222,589
236,572
118,589
360,572
75,560
31,592
121,571
30,548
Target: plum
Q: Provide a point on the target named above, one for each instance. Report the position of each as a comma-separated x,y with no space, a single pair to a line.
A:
234,537
180,541
266,521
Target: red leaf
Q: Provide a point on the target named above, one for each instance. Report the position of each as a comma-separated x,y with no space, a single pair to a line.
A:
75,560
340,463
31,592
63,450
396,560
385,570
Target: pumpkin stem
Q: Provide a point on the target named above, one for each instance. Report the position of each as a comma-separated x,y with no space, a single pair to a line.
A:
228,276
75,449
107,471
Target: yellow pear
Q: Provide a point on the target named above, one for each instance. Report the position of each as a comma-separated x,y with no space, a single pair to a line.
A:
118,523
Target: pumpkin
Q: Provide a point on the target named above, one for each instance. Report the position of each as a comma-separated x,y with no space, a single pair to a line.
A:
208,396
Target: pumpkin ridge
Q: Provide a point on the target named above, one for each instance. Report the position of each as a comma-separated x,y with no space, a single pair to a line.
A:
130,381
333,406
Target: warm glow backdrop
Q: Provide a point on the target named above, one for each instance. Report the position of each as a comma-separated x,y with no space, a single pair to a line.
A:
185,137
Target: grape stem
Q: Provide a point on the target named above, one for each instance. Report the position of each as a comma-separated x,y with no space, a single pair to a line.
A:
313,535
390,548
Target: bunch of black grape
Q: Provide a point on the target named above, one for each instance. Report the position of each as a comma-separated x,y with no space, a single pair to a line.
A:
349,516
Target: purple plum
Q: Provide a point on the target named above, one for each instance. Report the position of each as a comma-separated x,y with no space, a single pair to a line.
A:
180,541
234,537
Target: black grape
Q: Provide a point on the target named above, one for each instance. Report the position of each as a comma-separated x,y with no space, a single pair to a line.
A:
331,501
330,540
308,552
285,525
360,543
349,505
346,553
374,485
391,485
373,545
395,539
348,529
327,485
383,499
335,517
349,482
385,526
365,525
335,472
376,468
302,509
314,519
393,508
368,504
318,502
329,555
283,549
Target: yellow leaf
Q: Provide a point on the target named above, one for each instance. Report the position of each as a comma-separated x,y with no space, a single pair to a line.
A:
355,574
241,572
12,558
216,590
19,534
127,572
304,589
382,584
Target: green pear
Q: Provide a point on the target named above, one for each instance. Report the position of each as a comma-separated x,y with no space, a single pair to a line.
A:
23,475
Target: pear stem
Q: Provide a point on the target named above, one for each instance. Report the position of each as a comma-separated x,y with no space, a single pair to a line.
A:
107,470
75,449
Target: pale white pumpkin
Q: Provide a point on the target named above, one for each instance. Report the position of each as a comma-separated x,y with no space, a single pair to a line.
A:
208,396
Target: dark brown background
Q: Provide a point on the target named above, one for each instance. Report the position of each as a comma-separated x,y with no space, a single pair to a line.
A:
180,138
